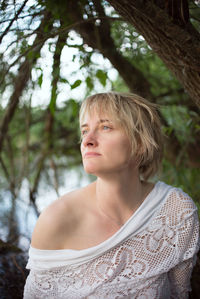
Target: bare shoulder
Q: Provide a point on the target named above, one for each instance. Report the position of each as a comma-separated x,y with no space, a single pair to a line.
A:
60,219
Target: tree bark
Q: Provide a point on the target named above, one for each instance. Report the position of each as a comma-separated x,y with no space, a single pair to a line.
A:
173,38
22,79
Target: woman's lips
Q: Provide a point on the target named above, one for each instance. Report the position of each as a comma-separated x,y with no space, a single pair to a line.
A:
91,154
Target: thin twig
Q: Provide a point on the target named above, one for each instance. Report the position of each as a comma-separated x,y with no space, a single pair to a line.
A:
12,21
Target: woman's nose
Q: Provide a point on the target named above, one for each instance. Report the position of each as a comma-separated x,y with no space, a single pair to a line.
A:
90,139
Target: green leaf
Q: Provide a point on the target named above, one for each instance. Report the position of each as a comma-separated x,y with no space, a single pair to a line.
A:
63,80
76,84
89,83
40,80
102,76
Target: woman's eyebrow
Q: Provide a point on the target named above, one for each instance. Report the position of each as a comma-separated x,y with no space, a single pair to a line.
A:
104,120
100,121
84,125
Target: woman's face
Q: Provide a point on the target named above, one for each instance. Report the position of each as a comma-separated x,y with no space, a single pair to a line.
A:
105,147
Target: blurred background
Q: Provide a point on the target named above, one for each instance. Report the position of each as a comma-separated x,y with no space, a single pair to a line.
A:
53,55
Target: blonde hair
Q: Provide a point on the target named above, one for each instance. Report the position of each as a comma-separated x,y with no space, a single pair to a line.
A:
140,121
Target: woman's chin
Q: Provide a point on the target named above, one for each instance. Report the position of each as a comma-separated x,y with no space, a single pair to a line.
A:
93,170
89,169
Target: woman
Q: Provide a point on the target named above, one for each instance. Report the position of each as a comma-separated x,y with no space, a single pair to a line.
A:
121,236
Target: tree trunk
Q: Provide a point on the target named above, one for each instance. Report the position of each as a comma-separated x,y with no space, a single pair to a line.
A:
173,38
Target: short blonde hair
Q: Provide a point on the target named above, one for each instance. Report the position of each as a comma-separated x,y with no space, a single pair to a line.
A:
139,120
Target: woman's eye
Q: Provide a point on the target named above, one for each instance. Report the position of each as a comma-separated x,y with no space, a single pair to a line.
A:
83,132
105,128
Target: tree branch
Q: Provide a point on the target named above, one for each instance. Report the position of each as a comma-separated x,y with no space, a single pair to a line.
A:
14,19
22,79
178,45
98,36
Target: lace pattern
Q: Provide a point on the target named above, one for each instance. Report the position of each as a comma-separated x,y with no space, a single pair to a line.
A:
156,263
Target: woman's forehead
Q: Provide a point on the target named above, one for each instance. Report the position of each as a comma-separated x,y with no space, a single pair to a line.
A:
97,112
96,116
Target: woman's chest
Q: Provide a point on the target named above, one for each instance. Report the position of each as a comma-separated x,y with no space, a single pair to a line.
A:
90,232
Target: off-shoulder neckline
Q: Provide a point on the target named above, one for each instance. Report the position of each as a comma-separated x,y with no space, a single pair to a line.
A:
108,240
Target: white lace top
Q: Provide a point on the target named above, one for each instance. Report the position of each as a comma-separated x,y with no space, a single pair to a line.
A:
151,256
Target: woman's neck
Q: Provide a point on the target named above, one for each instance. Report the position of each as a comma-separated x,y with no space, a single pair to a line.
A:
120,196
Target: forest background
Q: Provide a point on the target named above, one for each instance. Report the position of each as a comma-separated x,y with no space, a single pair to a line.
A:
54,54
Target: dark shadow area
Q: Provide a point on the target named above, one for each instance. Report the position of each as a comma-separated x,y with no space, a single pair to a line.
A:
12,271
195,281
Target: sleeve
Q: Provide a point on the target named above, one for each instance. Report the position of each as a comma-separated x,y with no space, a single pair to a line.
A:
40,284
29,292
187,245
179,277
